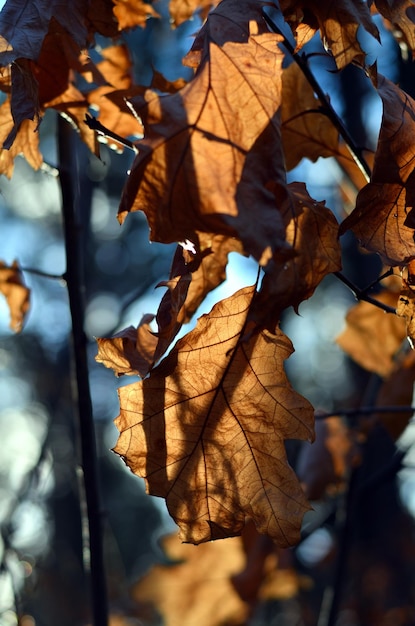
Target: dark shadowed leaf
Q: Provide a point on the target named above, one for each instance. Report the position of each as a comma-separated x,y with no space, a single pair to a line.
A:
383,219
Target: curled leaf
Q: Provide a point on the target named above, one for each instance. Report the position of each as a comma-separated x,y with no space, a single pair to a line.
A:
383,219
131,351
401,16
12,286
312,230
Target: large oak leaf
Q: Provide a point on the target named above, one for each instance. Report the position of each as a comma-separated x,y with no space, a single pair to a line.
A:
206,430
383,219
212,149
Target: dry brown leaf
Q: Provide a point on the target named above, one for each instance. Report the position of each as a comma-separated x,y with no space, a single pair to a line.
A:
397,390
312,230
306,132
401,15
13,288
214,251
114,114
44,44
192,277
338,22
406,308
211,149
133,13
100,19
383,219
206,430
372,338
325,465
182,10
197,588
24,25
26,142
161,83
131,351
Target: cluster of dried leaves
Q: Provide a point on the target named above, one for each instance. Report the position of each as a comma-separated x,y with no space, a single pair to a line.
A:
205,427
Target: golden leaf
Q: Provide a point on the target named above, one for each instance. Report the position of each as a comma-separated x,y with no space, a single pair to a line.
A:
206,429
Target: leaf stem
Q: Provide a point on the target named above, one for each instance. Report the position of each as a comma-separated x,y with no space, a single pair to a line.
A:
69,174
327,108
361,294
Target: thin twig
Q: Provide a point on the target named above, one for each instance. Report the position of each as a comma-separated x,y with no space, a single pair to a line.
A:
388,272
42,274
364,410
327,108
102,130
69,173
361,294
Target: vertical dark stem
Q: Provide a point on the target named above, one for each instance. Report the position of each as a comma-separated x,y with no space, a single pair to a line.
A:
330,609
70,180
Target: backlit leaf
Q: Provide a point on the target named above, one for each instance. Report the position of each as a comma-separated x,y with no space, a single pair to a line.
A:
383,220
211,149
131,351
132,13
206,430
13,288
338,22
26,142
182,10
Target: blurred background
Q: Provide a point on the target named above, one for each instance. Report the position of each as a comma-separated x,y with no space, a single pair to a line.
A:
42,572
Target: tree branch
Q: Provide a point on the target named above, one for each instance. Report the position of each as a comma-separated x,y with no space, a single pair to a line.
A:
365,410
361,294
69,172
102,130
